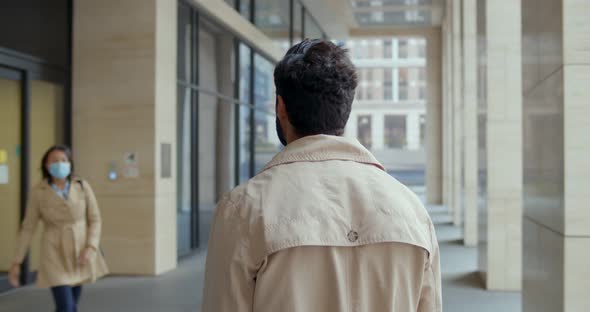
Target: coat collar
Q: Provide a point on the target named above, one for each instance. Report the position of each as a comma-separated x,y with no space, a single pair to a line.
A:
322,148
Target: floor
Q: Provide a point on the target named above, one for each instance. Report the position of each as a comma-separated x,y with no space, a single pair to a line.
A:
180,290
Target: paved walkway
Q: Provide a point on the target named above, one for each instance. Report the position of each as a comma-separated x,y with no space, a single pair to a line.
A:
180,290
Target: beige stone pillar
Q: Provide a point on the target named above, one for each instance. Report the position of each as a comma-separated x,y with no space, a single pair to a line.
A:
434,119
448,108
124,101
556,227
457,143
501,250
470,120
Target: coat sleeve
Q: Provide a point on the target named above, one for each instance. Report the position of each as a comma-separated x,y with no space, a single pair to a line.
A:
28,227
92,218
229,276
431,293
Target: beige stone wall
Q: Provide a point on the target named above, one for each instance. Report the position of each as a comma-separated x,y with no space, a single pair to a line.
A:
470,163
504,145
124,101
556,65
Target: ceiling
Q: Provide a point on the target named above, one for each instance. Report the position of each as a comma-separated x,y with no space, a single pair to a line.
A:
341,18
397,13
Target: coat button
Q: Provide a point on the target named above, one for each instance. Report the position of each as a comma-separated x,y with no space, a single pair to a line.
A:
353,236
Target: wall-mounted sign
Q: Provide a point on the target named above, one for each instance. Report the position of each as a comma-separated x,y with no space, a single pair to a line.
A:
131,170
166,160
3,156
3,174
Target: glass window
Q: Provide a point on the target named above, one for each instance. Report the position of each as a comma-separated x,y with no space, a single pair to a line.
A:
422,130
184,42
272,18
184,176
403,84
421,74
207,124
402,48
388,83
266,141
312,29
395,131
387,48
245,151
245,6
364,133
422,48
422,93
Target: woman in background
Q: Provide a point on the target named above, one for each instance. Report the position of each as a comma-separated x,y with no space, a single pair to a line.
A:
68,209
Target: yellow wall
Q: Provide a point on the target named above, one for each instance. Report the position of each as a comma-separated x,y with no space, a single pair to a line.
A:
10,104
46,122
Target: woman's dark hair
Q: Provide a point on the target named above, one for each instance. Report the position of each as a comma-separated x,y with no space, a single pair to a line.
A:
317,81
61,148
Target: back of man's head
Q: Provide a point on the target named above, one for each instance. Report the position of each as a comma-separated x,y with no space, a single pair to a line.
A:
316,81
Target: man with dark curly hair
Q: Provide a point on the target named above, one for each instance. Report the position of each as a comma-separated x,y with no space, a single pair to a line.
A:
322,227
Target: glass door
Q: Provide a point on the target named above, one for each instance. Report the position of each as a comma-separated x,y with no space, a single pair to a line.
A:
32,110
10,166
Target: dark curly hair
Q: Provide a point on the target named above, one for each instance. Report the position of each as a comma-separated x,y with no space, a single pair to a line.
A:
317,81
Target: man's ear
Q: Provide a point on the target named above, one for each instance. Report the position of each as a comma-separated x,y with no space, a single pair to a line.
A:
281,109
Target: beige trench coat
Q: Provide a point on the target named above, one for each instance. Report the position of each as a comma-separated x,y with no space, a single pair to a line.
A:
68,227
322,228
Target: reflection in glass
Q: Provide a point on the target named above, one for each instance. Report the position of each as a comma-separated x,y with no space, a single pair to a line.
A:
207,163
244,113
266,142
185,202
272,18
245,6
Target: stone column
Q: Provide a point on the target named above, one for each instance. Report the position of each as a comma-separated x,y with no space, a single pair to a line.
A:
124,101
501,250
434,117
447,109
556,226
470,120
457,201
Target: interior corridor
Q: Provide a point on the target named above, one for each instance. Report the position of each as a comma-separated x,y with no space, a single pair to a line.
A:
180,290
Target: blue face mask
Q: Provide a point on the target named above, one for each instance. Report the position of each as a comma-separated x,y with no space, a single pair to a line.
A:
60,170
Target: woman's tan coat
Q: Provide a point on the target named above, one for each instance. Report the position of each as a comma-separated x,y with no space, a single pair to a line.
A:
69,226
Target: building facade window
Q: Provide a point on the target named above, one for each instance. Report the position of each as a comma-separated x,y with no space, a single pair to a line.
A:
387,49
364,130
273,19
403,84
395,131
402,48
388,83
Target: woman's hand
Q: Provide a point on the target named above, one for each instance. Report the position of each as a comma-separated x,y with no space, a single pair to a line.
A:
14,275
86,255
